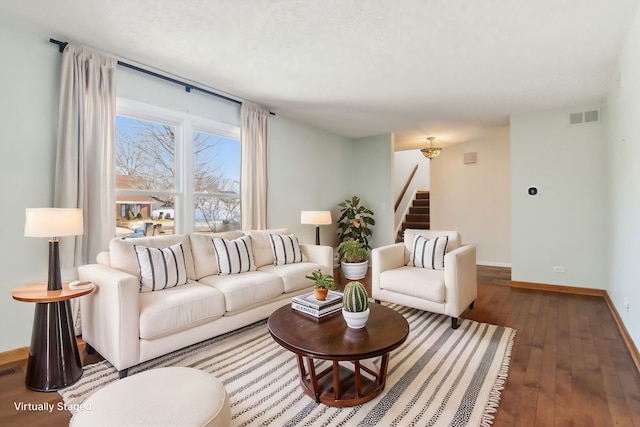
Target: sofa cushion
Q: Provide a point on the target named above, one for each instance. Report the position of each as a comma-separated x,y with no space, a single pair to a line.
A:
161,268
175,309
123,257
262,252
204,256
293,274
421,283
428,253
453,243
286,249
243,290
234,256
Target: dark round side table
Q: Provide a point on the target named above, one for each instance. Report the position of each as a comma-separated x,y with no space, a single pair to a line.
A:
54,360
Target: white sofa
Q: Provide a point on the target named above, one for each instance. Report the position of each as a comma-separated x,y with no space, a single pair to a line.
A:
128,327
449,289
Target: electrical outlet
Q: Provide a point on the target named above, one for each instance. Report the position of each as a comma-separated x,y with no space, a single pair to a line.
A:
558,268
627,307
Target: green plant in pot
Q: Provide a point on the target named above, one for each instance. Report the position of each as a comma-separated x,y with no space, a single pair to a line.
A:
355,305
321,284
353,259
354,222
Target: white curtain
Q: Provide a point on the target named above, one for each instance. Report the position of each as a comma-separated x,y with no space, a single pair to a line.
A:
85,174
253,195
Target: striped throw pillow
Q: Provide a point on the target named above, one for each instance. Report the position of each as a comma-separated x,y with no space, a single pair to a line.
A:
428,253
286,249
234,256
161,268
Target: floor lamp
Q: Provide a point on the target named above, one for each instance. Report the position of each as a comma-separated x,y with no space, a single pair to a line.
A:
316,218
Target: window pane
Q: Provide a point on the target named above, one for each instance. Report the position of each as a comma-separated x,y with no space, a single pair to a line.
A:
145,153
217,213
139,215
145,160
216,173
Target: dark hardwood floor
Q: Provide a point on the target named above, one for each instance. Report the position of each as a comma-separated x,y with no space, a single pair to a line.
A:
569,365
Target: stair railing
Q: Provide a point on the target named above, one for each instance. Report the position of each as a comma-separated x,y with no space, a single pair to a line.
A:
406,186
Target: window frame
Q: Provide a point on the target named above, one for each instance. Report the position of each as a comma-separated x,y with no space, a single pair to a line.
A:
185,125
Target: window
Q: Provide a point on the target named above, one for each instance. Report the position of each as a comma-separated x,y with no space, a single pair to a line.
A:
175,173
216,182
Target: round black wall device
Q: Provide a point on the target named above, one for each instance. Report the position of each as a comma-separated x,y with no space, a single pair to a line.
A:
532,191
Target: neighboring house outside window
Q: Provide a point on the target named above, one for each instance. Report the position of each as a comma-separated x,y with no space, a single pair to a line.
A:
175,173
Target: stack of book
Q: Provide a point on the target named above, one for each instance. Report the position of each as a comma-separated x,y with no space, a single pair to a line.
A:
309,305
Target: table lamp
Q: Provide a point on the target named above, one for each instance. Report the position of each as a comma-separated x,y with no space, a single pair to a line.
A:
53,223
316,218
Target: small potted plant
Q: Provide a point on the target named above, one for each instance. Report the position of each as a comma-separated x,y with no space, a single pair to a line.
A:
355,305
321,284
353,259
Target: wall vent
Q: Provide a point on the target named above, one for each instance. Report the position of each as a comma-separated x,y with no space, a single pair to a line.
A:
470,157
592,116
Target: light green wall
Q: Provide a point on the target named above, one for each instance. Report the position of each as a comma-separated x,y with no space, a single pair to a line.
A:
28,111
311,169
623,145
371,172
565,224
308,170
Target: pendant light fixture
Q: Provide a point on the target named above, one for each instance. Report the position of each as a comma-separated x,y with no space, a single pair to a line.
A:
430,150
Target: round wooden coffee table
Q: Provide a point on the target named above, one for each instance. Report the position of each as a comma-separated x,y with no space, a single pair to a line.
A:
330,339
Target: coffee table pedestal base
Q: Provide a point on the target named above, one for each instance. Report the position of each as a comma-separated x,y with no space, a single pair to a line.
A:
340,386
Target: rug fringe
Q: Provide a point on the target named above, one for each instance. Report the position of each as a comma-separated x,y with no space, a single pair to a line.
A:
498,386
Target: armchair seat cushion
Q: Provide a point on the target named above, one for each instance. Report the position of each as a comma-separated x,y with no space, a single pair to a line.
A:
415,282
174,309
244,290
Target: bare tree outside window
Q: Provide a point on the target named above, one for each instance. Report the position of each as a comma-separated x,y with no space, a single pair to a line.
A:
217,201
146,161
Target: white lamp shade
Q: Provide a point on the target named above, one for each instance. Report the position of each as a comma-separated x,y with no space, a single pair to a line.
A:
53,222
315,217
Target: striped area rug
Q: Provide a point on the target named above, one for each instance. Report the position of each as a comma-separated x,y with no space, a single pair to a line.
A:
439,376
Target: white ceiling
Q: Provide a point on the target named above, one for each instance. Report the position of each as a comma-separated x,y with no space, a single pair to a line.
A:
357,68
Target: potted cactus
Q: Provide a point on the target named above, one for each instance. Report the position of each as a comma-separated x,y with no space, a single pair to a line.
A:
355,305
321,284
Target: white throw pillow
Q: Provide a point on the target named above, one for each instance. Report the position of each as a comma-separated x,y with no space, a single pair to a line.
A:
234,256
428,253
286,249
161,268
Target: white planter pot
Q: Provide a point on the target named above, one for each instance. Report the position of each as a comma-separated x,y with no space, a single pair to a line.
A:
354,270
356,320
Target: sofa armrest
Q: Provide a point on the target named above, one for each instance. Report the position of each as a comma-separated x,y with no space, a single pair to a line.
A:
111,314
382,259
318,254
460,279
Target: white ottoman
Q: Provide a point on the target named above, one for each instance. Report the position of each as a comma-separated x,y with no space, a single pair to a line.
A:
158,397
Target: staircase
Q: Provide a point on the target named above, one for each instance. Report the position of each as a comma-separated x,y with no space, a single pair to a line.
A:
418,216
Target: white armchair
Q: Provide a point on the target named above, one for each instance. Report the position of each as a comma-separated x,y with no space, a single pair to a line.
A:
448,288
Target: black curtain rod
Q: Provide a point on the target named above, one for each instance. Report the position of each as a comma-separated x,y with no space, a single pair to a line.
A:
187,86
